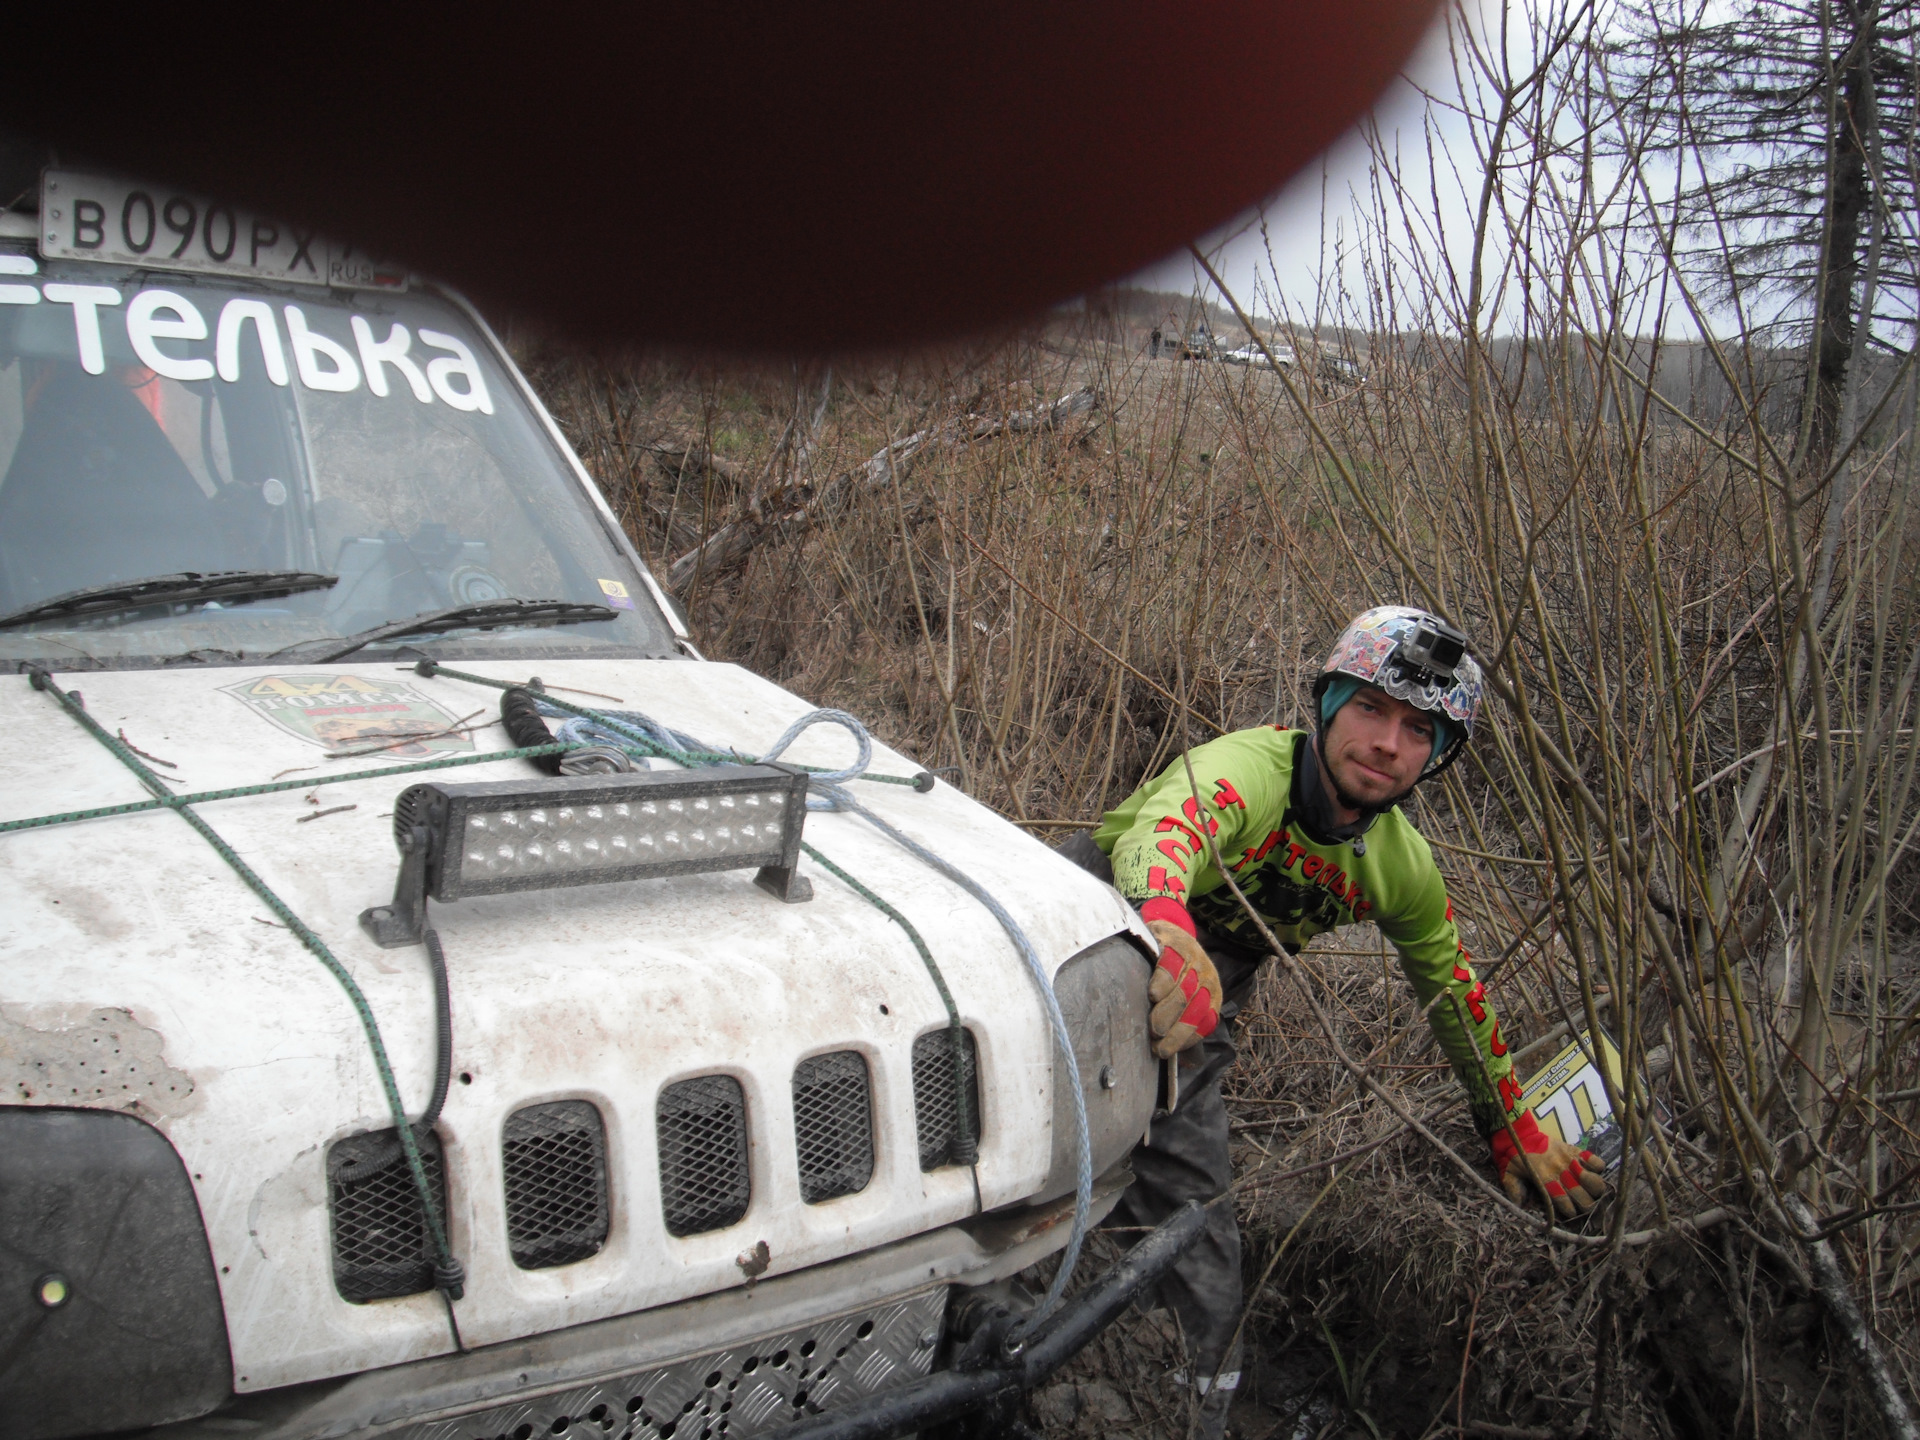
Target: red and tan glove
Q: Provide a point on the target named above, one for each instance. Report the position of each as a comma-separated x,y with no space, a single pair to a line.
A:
1185,990
1573,1179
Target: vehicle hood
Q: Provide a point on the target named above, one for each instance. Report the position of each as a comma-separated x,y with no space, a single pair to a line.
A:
142,974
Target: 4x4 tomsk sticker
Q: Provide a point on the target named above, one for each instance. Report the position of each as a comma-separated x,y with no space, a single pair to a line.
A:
352,712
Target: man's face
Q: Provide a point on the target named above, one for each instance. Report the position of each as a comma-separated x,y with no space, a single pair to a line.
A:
1377,746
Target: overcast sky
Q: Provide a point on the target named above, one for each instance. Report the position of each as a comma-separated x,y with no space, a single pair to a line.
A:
1299,247
1307,230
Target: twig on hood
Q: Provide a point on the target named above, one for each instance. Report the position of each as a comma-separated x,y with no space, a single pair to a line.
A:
143,754
397,738
338,809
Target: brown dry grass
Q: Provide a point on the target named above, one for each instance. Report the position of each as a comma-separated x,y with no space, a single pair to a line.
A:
1687,816
1024,611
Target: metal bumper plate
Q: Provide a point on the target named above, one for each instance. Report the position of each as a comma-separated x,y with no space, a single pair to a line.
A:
742,1391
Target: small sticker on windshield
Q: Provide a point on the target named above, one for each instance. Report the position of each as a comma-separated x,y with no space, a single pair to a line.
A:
616,594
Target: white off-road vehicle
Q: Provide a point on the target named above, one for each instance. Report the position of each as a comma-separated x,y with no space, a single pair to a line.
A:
299,583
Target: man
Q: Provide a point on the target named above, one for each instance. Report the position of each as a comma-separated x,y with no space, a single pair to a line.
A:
1308,825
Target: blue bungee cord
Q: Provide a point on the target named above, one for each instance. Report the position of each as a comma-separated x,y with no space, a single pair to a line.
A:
827,792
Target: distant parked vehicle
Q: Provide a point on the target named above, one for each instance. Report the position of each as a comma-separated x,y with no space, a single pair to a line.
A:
1253,355
1341,370
1199,345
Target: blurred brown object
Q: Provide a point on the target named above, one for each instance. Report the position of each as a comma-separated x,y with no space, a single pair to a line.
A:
802,178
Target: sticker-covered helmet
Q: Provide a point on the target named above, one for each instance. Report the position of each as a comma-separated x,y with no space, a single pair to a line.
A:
1414,656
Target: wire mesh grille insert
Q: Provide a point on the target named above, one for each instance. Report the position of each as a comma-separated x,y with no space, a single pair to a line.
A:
936,1100
556,1170
833,1125
703,1154
381,1245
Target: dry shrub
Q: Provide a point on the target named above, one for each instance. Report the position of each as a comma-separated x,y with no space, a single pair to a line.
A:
1687,818
1024,612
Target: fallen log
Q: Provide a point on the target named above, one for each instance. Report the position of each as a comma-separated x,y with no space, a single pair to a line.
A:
688,458
792,505
1830,1283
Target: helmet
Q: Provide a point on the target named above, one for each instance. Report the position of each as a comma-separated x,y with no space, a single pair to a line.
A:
1413,656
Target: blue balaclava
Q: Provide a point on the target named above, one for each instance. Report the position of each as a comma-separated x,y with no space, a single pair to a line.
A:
1343,688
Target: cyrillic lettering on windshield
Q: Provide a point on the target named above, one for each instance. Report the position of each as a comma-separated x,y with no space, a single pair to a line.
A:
164,328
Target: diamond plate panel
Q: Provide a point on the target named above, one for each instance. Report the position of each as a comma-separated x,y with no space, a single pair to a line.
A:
733,1394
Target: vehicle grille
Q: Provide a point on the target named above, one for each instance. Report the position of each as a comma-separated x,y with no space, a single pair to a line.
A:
936,1100
833,1125
757,1387
704,1183
556,1172
381,1244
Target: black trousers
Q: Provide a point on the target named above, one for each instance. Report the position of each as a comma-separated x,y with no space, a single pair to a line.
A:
1187,1158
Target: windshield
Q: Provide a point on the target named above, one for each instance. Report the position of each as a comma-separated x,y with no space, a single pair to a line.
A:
156,424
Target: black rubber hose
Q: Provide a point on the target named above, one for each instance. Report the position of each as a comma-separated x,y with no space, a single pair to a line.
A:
443,1034
1026,1362
392,1150
527,726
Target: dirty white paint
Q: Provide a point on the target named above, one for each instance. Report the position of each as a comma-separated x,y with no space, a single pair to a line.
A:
132,927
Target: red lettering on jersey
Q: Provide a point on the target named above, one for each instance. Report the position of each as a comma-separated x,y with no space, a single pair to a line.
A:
1310,867
1353,896
1360,910
1226,795
1449,909
1294,852
1335,879
1495,1044
1194,842
1462,974
1477,1004
1190,808
1173,851
1509,1092
1159,880
1255,854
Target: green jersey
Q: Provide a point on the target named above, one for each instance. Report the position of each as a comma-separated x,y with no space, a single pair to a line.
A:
1158,839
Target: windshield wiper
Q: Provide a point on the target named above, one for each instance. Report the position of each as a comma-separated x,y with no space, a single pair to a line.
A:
187,585
487,615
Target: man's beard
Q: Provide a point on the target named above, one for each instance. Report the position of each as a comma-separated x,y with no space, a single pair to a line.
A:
1350,801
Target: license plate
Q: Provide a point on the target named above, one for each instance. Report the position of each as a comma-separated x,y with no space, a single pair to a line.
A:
121,222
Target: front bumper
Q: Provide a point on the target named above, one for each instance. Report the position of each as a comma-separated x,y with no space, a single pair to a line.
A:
835,1338
1001,1362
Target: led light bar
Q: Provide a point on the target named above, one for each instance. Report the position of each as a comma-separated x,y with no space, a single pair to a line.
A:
490,839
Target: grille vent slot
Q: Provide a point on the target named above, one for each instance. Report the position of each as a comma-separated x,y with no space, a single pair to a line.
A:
833,1125
381,1244
936,1100
704,1183
555,1160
